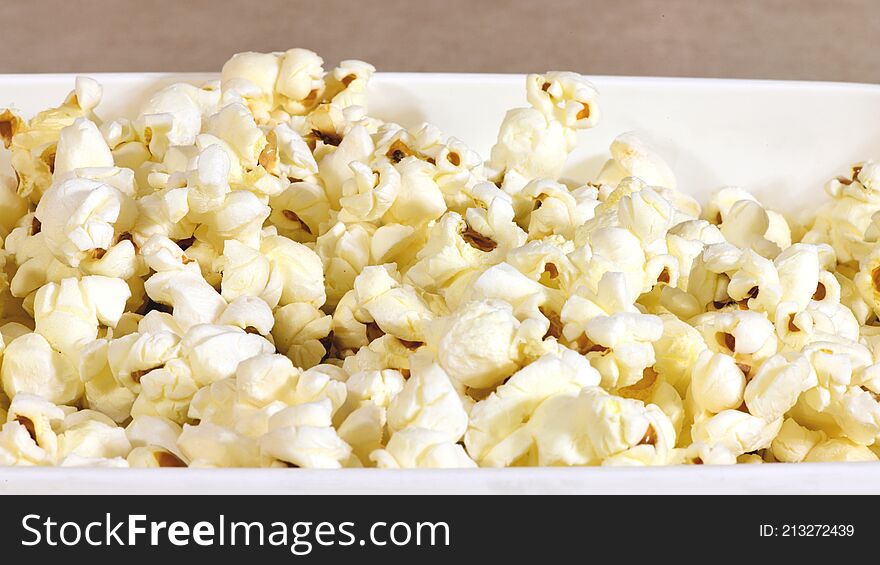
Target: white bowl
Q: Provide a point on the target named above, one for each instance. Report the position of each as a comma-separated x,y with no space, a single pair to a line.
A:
780,140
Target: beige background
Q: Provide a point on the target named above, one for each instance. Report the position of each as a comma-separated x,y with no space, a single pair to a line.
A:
805,39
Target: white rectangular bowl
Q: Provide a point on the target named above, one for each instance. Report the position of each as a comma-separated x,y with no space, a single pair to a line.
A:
780,140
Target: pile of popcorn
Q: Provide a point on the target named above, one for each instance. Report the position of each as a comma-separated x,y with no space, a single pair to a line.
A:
255,272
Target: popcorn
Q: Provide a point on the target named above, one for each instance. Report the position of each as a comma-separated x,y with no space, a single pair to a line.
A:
419,199
546,262
345,252
346,85
617,250
632,156
12,207
235,125
214,351
215,404
68,313
166,391
503,282
307,446
625,346
383,352
451,249
208,184
292,157
396,308
592,426
490,226
334,165
429,401
656,447
567,97
530,145
299,211
248,313
857,412
364,429
748,335
246,273
210,445
649,216
156,321
844,221
319,382
735,431
668,400
40,418
296,269
834,362
240,217
374,387
300,333
33,142
677,351
839,450
263,379
264,386
349,335
300,79
17,447
192,299
102,390
794,442
497,433
80,145
396,243
152,456
368,195
801,269
413,448
186,105
478,344
776,386
745,224
255,272
133,356
164,213
303,436
254,75
556,209
867,280
458,170
91,437
81,217
30,365
78,461
717,384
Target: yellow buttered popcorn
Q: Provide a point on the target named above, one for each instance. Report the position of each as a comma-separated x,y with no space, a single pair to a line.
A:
33,142
497,433
81,217
717,383
256,271
429,401
567,97
594,427
31,365
67,314
632,156
303,436
421,448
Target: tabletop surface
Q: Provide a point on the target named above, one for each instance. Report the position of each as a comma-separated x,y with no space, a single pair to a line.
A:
784,39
